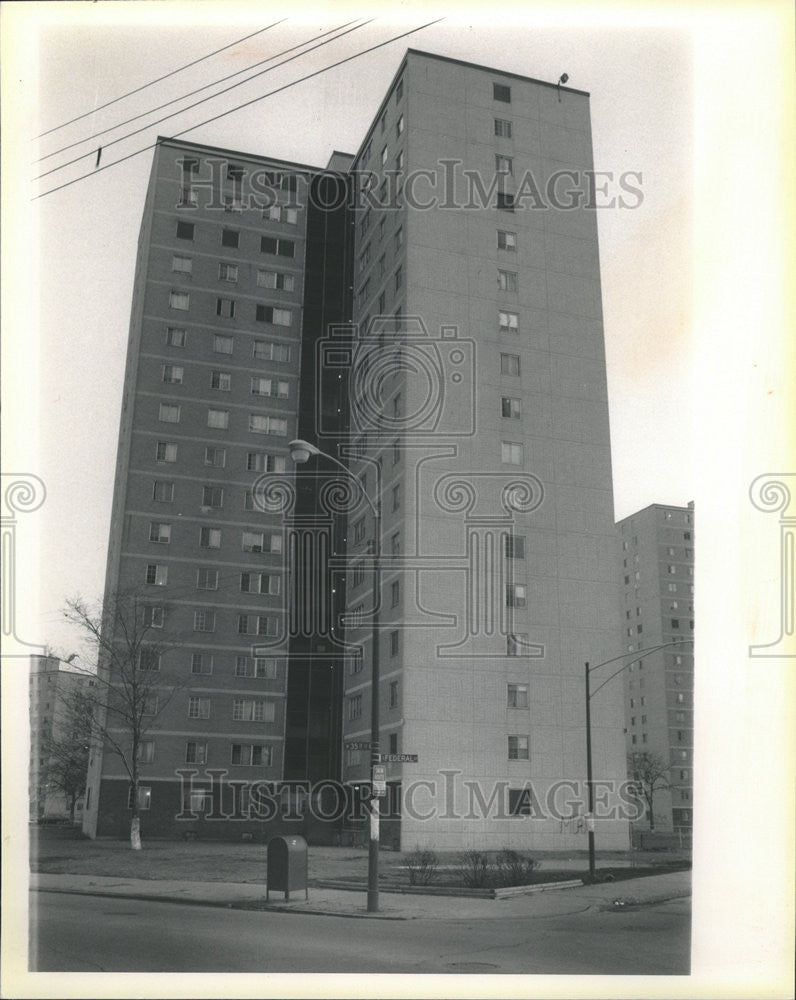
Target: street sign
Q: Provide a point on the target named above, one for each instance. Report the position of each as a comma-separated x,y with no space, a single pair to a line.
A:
398,758
358,745
379,780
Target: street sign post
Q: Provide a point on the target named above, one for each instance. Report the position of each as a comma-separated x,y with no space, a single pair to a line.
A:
379,780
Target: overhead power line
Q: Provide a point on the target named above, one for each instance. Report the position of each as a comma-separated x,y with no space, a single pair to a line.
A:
254,100
159,79
182,97
204,100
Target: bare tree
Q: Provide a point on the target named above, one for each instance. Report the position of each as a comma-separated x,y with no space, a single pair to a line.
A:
130,689
650,772
65,752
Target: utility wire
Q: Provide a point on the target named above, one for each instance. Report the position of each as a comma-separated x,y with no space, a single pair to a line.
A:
190,93
158,80
204,100
254,100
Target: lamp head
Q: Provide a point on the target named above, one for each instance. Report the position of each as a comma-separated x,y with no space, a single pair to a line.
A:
300,451
563,78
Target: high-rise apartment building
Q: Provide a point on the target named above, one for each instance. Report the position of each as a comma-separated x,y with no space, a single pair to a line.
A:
657,553
459,372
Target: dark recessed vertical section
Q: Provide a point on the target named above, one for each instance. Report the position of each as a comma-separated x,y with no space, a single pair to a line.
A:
315,670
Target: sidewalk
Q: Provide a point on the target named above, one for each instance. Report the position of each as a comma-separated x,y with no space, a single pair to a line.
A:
392,905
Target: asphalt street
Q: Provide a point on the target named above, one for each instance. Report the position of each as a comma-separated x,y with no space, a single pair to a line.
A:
72,933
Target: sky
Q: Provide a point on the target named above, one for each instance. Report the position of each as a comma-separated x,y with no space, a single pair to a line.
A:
641,87
698,301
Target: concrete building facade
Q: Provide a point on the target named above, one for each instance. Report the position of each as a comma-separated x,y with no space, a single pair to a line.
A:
657,567
459,371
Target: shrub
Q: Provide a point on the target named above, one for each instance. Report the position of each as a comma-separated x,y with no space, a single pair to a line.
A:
474,869
422,867
514,868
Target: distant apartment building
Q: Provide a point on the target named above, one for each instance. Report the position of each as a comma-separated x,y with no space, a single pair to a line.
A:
52,687
657,573
439,332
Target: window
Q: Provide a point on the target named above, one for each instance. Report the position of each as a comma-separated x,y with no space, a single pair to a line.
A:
146,751
230,238
257,756
269,387
508,322
393,703
148,660
506,240
395,543
183,265
269,350
516,595
514,546
509,364
399,89
169,413
260,424
276,279
234,173
163,492
395,641
355,707
260,583
504,164
500,92
399,127
221,344
144,797
281,213
395,593
176,336
204,620
210,538
257,625
518,748
185,230
253,710
278,247
179,300
507,281
396,496
503,128
263,462
217,457
154,616
160,533
198,708
384,155
675,622
207,579
201,663
399,278
221,381
261,666
517,695
165,451
218,419
382,302
157,574
253,541
225,308
510,408
269,314
511,452
359,530
196,753
227,272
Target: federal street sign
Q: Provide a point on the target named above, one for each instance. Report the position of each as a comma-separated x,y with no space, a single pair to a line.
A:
398,758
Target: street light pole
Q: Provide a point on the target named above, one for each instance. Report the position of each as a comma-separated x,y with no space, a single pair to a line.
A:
637,654
300,452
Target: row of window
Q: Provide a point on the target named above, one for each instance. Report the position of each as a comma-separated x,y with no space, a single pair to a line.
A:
166,452
262,350
207,578
204,620
222,381
259,423
226,308
228,272
276,246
